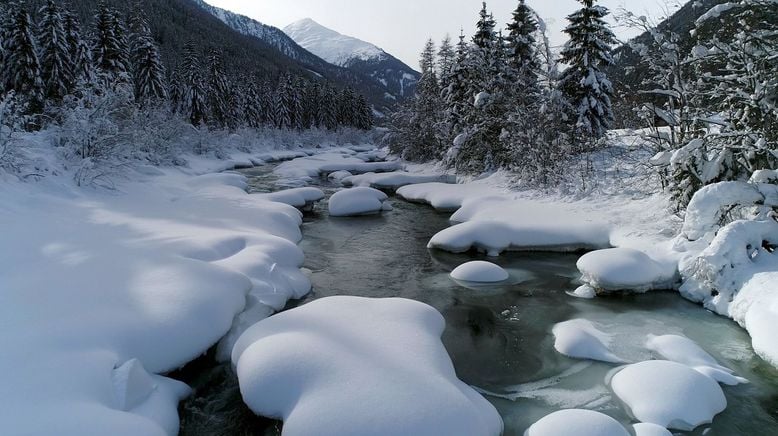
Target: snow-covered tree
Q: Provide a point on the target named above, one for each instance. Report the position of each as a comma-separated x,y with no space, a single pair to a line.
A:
21,71
147,69
219,92
111,51
193,94
522,49
80,53
55,57
584,81
446,59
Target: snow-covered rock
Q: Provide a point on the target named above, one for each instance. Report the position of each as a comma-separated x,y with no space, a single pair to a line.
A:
358,201
581,339
648,429
576,422
626,269
683,350
339,175
668,394
357,366
495,237
755,308
303,170
480,272
301,198
448,197
395,180
703,214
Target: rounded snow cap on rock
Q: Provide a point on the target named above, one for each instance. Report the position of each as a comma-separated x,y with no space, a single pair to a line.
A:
480,272
576,422
669,394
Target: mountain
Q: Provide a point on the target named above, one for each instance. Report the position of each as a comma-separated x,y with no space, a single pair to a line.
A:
274,37
359,56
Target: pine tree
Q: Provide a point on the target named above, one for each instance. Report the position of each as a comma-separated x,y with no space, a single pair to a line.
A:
218,91
193,96
148,71
364,114
55,57
446,59
521,46
328,111
252,103
111,49
21,68
455,94
78,49
584,83
485,35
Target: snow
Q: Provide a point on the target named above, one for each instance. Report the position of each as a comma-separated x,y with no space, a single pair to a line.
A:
581,339
395,180
704,211
756,309
480,272
302,171
715,12
356,366
669,394
620,269
576,422
648,429
330,45
301,198
339,175
358,201
685,351
448,197
104,290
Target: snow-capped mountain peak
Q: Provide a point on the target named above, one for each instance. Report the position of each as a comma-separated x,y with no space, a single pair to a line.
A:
330,45
398,79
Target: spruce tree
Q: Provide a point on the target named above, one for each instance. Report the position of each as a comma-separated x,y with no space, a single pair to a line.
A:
111,49
55,57
148,72
446,59
78,48
584,82
521,45
484,35
252,103
193,96
21,71
218,91
455,94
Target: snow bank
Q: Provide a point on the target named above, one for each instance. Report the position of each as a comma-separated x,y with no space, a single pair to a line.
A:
576,422
450,197
480,272
626,269
669,394
301,198
581,339
685,351
756,309
395,180
339,175
356,366
101,291
358,201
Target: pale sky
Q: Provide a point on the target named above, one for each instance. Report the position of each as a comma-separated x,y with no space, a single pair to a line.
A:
401,27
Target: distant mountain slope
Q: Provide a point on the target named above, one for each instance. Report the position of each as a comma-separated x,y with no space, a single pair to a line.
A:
283,44
363,57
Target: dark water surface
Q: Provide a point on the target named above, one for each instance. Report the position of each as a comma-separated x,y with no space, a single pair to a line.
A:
499,337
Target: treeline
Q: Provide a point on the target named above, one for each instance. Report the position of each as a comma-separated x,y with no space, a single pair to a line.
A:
499,101
51,65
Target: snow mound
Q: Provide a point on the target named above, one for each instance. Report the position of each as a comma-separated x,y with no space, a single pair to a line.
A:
447,197
358,201
339,175
581,339
704,212
625,269
647,429
685,351
576,422
495,237
303,170
357,366
301,198
395,180
480,272
669,394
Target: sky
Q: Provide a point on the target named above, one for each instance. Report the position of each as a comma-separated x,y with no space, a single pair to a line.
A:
401,27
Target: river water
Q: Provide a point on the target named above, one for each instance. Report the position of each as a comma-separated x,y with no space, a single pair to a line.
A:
499,337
